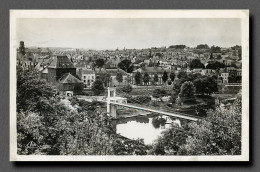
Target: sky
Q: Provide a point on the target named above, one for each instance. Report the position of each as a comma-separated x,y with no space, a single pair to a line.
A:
129,33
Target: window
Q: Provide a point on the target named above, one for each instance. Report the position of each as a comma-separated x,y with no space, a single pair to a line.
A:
84,80
84,77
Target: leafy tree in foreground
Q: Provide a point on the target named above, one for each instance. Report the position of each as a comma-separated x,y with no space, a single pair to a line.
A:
31,90
98,87
217,134
170,142
53,129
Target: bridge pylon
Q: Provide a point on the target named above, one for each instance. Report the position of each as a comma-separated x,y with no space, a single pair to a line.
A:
110,91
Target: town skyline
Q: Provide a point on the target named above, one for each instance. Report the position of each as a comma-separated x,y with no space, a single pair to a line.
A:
110,34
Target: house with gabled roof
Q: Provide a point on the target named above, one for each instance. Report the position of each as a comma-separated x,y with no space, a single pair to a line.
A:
59,66
68,82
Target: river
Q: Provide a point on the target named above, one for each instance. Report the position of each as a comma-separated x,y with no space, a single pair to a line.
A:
147,127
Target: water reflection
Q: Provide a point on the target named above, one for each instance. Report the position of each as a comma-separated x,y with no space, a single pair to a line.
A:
158,122
147,127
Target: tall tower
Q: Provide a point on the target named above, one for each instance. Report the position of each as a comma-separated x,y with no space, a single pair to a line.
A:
21,48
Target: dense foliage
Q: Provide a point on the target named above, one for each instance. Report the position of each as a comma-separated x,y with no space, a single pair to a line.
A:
206,85
217,134
126,65
125,89
177,46
196,63
216,65
139,99
100,63
98,87
187,91
202,46
159,93
46,127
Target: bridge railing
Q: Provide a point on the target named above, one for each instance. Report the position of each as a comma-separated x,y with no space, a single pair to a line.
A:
168,110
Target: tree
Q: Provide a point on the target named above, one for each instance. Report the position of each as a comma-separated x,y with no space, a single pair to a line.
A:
159,93
202,46
156,78
170,142
215,49
31,90
126,65
218,134
177,86
119,77
138,78
78,88
195,63
165,76
128,80
211,56
182,75
172,76
127,88
105,78
177,46
187,91
215,65
98,87
205,85
234,79
47,127
211,85
200,86
146,78
240,53
100,63
219,57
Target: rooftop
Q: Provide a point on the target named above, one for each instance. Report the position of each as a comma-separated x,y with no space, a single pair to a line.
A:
68,79
61,61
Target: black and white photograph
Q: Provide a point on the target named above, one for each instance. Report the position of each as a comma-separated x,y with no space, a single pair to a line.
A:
129,85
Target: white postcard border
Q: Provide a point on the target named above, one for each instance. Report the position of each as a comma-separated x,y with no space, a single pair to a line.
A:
242,14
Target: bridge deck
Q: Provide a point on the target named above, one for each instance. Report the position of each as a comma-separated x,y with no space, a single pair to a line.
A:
184,116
